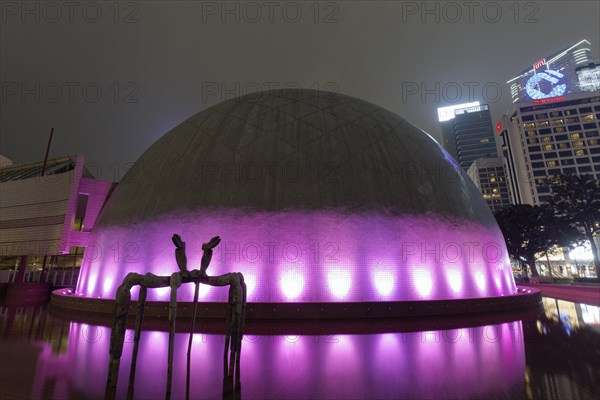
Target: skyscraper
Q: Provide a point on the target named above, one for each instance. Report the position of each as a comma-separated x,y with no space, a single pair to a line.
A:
468,135
552,128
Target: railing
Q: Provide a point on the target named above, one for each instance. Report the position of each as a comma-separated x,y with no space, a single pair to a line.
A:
56,277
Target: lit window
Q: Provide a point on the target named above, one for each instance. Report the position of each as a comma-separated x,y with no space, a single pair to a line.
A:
558,121
580,152
578,143
530,133
546,139
593,142
576,135
587,118
543,123
493,180
532,140
550,163
484,140
549,147
563,145
529,125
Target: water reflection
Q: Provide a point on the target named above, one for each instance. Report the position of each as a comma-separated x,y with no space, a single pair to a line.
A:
552,353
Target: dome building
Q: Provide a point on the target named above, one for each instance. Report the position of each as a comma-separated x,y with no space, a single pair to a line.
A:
318,198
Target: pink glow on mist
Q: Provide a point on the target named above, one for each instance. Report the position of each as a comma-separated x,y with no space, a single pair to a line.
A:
339,281
292,284
309,256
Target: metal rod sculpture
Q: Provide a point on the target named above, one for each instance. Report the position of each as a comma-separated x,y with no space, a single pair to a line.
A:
236,310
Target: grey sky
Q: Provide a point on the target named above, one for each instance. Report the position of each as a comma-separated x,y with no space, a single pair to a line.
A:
159,62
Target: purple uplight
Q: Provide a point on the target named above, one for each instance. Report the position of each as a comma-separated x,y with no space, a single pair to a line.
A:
293,258
339,281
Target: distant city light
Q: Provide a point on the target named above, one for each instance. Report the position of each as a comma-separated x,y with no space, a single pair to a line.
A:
447,113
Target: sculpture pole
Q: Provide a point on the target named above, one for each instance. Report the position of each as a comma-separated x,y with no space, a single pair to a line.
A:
235,315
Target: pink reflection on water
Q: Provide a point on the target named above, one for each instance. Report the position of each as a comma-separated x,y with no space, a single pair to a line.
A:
485,361
317,256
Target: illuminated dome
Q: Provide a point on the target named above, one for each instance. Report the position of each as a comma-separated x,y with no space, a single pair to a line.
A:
318,197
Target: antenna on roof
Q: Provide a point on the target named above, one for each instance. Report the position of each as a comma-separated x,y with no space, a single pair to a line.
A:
47,151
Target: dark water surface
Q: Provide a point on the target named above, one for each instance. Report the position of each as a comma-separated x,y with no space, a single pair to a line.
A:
548,353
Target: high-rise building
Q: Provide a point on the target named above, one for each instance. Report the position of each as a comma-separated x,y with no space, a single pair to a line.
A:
544,140
552,128
554,76
468,135
488,175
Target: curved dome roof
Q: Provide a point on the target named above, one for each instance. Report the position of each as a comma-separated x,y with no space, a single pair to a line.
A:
295,149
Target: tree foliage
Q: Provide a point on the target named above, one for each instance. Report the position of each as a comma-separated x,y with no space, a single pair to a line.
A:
529,230
576,203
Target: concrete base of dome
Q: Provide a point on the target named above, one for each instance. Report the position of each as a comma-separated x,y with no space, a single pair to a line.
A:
63,299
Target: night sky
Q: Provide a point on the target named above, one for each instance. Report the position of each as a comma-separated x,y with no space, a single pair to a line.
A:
112,77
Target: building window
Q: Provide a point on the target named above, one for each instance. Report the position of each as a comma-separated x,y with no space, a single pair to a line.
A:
532,140
556,114
549,147
578,143
559,129
543,123
588,118
564,145
575,136
529,125
567,161
591,134
593,142
550,163
531,133
571,120
580,152
559,121
546,139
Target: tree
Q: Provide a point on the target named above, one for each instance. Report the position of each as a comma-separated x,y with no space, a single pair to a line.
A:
529,230
576,200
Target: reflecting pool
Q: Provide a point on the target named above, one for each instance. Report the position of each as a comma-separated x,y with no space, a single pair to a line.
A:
551,352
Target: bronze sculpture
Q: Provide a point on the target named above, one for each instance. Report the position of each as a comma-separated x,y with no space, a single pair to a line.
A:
234,320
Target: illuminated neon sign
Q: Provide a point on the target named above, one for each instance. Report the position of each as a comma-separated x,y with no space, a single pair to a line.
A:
538,64
548,77
550,100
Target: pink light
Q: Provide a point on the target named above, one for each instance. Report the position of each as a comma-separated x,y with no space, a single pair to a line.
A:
292,283
383,281
91,286
164,293
339,282
250,280
454,280
312,256
422,282
480,280
107,287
